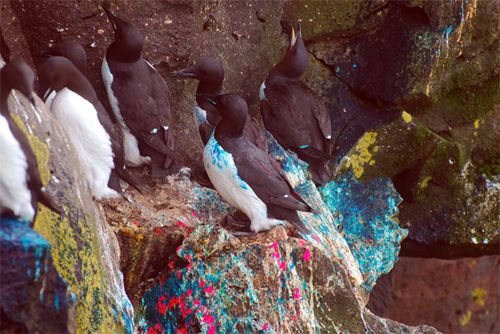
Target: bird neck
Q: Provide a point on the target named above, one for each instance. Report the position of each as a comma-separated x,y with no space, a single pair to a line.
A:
121,50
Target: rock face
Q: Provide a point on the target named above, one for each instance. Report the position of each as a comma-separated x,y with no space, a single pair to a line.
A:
31,291
187,274
412,87
455,296
413,90
373,61
84,250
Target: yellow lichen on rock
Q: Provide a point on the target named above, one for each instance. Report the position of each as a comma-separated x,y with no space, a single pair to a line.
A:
362,154
406,117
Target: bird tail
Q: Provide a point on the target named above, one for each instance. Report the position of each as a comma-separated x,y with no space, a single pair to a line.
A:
46,199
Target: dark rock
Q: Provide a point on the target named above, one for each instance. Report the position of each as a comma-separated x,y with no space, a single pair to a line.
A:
31,290
83,248
455,296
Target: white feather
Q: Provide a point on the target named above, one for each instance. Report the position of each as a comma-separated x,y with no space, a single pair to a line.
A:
223,174
14,192
262,91
79,119
130,143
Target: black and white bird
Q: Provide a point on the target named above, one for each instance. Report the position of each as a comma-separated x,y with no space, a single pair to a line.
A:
210,74
294,114
73,107
21,187
244,175
73,51
139,98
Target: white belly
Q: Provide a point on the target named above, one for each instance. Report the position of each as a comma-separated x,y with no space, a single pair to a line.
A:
130,143
200,116
222,172
14,192
79,119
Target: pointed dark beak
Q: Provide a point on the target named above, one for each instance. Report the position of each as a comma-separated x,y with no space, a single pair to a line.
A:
112,18
32,100
188,72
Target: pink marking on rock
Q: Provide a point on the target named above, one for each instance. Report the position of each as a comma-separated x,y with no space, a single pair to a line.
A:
274,245
189,292
282,265
136,223
208,319
210,290
195,214
158,230
179,274
307,255
276,255
265,327
189,257
196,302
212,330
296,294
201,284
181,224
301,242
171,265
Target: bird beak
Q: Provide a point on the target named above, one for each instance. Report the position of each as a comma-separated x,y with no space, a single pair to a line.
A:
188,72
293,38
32,100
112,18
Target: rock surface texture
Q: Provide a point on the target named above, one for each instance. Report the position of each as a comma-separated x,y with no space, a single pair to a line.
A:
412,88
83,248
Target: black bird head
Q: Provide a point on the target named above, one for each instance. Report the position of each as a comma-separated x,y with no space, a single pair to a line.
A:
129,41
295,62
208,71
234,112
19,76
58,72
72,50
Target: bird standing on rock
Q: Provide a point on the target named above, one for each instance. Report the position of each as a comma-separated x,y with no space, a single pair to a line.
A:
294,114
21,187
74,109
210,73
245,176
139,98
73,51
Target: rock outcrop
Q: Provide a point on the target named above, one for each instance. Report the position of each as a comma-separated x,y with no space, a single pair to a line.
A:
83,249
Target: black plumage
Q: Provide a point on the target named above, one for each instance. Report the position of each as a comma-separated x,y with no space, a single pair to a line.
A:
210,74
294,114
254,165
18,75
142,94
59,72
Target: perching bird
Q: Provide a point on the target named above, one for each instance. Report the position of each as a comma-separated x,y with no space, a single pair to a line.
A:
245,176
210,74
139,98
21,187
294,114
73,107
76,54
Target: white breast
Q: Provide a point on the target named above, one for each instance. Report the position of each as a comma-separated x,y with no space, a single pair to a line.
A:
130,143
223,174
79,119
200,116
262,91
14,192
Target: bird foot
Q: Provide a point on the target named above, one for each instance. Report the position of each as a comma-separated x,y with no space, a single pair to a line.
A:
239,227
